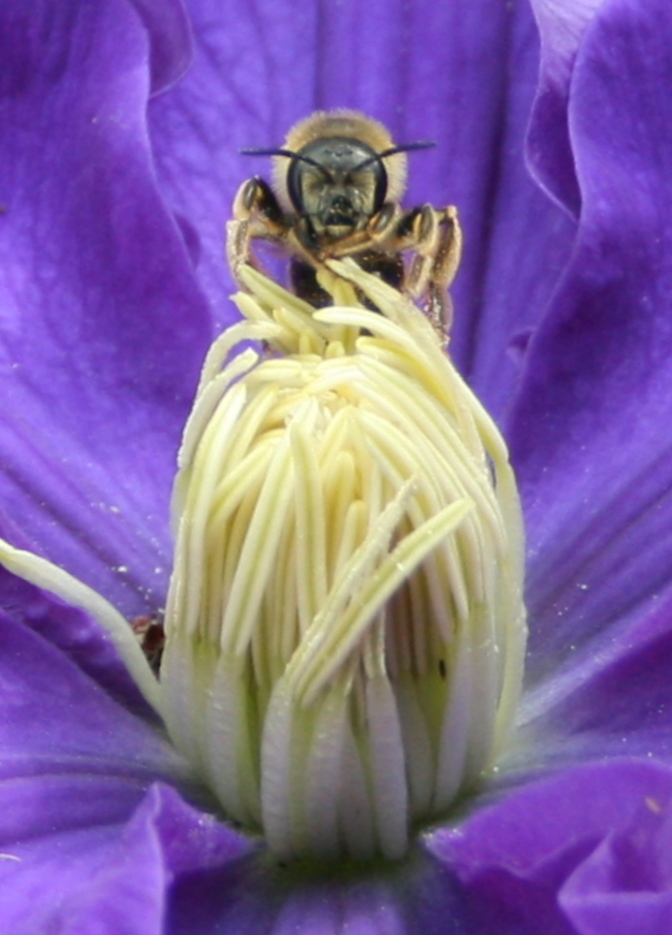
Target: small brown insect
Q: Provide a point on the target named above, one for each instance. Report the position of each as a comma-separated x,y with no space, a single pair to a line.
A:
151,636
337,181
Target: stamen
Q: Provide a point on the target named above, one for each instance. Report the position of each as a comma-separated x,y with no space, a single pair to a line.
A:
345,628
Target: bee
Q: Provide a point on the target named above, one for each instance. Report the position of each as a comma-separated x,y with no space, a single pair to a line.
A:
337,183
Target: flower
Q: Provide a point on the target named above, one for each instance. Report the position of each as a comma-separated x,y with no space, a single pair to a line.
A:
105,319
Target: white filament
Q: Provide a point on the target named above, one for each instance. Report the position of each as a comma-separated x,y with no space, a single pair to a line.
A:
44,574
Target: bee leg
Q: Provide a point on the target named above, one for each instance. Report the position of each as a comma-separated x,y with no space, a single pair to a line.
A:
384,225
238,251
436,237
256,216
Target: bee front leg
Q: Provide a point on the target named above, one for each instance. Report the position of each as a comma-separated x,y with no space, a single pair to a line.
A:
436,237
383,226
256,216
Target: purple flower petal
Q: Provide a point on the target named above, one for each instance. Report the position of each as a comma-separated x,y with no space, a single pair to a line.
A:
109,876
625,886
515,856
590,430
103,327
57,720
617,702
75,634
561,28
169,34
68,884
517,248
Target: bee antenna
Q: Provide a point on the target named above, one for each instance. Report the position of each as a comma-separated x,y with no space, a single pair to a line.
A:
267,152
406,147
282,152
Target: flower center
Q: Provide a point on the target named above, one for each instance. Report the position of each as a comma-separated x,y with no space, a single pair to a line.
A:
345,627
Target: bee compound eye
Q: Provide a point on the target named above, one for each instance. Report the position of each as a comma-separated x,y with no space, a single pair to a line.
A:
295,174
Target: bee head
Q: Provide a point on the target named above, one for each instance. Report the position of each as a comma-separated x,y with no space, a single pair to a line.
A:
337,169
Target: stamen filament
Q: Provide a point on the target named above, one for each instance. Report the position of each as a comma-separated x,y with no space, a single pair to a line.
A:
352,616
43,574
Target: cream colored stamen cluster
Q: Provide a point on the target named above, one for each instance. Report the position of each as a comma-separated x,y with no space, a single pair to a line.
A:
345,630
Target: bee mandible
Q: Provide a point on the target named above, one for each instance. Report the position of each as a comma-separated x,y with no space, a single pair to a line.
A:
337,182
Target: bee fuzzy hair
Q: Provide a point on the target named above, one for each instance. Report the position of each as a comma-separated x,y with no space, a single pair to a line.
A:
347,123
